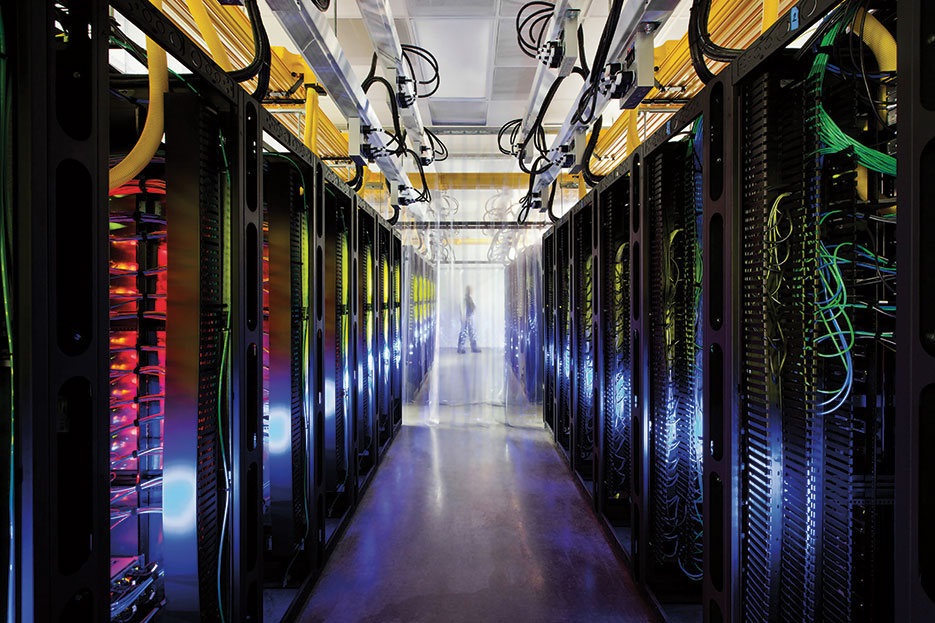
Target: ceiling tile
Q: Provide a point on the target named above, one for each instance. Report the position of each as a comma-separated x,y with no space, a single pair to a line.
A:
512,83
452,8
508,52
458,112
462,48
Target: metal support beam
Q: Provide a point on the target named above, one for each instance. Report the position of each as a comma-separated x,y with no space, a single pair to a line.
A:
636,18
470,225
309,30
564,17
378,20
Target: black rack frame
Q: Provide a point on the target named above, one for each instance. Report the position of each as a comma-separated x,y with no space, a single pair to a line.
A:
720,105
62,540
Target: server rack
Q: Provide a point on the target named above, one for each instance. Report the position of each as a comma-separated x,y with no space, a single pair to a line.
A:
613,374
289,526
915,372
396,323
337,355
563,338
184,330
549,342
384,337
674,211
366,428
513,327
533,321
523,305
420,320
796,497
60,303
817,346
582,285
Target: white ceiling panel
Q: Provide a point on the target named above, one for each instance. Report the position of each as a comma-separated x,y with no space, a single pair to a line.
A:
511,83
452,8
508,51
462,48
458,111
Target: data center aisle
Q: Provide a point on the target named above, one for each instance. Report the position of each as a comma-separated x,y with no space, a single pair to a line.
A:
474,520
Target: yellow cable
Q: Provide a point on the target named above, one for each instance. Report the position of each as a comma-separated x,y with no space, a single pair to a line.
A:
877,38
883,46
770,13
209,33
142,153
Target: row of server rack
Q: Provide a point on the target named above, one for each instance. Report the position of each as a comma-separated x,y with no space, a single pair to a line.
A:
737,331
204,364
420,308
523,305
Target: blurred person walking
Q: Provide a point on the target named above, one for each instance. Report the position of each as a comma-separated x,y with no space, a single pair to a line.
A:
467,327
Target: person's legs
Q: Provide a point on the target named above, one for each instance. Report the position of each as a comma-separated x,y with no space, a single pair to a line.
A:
462,336
473,336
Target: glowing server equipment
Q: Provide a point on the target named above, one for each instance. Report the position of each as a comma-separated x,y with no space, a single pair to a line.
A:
674,205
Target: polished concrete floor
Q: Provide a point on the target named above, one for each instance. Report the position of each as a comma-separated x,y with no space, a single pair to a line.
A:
474,517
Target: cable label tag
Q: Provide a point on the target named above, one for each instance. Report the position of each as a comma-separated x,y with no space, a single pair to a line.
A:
794,18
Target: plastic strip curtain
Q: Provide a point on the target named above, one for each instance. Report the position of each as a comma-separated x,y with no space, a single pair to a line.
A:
486,368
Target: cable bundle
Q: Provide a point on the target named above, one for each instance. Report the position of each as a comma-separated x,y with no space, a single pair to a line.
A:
829,132
259,67
434,81
700,44
532,16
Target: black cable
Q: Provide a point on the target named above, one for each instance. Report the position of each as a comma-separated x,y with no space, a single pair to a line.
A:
507,127
439,149
709,48
695,47
591,178
322,5
262,83
542,110
426,195
863,72
357,182
581,54
367,83
597,67
542,14
552,216
251,70
429,58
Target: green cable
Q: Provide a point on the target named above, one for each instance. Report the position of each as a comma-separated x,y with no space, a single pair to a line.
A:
5,243
225,340
297,168
829,131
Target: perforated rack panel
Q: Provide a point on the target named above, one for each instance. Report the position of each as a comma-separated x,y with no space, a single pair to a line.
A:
675,306
617,396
